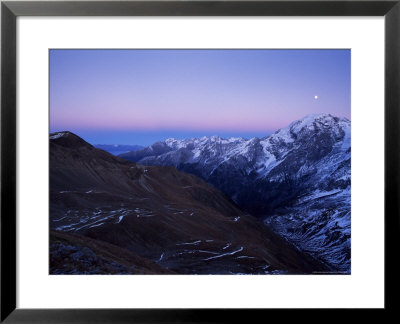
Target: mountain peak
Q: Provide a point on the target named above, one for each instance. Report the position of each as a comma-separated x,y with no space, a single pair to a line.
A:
170,140
59,134
68,139
312,123
215,138
312,118
322,117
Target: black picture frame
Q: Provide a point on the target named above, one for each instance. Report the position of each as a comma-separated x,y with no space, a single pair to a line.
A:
10,10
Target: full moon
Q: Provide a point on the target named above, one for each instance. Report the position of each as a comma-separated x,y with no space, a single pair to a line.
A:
315,97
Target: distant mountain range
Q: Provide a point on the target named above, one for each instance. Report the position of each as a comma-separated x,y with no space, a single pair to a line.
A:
296,180
117,149
112,216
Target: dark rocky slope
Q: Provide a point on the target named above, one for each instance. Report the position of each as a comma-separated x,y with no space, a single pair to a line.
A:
77,254
169,218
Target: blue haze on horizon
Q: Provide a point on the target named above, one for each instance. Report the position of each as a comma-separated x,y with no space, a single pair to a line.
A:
143,96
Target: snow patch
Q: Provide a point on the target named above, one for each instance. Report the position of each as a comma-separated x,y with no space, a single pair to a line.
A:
189,243
58,135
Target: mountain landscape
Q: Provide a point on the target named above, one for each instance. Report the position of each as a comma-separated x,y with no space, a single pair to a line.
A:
109,215
296,181
200,161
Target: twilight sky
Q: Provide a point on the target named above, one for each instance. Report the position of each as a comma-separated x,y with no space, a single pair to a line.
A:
142,96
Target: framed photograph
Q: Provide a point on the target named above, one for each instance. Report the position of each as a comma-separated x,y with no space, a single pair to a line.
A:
193,160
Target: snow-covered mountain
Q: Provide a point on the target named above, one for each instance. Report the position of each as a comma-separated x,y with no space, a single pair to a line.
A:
298,179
